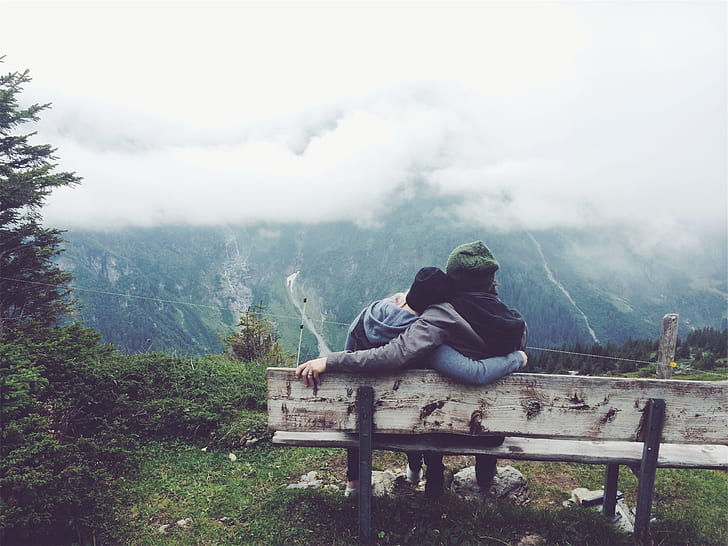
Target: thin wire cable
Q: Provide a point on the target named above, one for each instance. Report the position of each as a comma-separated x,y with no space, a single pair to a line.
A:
590,355
176,302
119,294
160,300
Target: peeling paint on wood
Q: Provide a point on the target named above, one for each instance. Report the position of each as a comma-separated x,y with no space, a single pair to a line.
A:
532,408
476,420
427,410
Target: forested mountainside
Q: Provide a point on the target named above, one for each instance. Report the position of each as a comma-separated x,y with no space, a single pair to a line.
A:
177,288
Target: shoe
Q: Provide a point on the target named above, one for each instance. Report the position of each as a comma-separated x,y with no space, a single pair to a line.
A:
412,477
352,489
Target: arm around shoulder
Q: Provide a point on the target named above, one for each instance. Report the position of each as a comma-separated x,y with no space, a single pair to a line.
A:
458,367
413,345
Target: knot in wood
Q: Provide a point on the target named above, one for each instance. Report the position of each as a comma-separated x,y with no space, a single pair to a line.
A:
475,422
532,408
427,409
609,416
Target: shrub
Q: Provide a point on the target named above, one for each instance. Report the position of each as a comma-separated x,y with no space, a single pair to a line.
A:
162,396
58,456
74,412
58,491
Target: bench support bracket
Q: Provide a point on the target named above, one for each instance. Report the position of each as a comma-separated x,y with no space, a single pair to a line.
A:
365,400
648,468
609,505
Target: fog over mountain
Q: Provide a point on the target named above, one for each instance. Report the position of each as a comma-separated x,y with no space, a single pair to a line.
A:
175,288
559,115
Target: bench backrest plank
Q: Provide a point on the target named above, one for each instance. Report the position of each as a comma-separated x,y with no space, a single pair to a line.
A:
528,405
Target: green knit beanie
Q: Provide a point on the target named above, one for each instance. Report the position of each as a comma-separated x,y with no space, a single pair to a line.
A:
472,265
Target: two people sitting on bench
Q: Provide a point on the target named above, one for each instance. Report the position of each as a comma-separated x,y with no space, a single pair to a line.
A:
385,319
451,322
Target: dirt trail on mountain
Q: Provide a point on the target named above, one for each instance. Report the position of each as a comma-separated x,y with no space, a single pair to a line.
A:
299,302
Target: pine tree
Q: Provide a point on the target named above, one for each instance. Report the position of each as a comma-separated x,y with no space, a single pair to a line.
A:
257,339
33,289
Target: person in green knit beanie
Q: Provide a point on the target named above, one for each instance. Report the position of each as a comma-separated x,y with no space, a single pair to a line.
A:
472,267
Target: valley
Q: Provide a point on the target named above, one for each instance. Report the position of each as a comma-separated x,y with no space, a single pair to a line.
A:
188,285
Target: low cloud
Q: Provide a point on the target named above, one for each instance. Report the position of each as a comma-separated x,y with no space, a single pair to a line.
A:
354,164
538,115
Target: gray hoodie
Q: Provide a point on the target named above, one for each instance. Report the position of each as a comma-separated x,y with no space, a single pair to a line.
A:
377,325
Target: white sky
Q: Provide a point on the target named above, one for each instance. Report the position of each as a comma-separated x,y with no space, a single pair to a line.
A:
543,114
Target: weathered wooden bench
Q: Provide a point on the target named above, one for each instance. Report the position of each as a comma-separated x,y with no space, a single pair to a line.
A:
644,424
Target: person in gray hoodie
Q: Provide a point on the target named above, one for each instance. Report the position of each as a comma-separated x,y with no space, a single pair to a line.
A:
384,320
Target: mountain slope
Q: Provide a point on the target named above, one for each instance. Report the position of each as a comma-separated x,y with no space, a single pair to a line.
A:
175,288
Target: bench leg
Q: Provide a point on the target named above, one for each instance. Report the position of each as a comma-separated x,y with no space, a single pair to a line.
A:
609,503
365,398
648,468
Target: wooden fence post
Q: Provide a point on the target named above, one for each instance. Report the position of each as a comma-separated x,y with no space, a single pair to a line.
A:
668,343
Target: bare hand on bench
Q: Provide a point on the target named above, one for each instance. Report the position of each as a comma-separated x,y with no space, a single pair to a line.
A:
309,371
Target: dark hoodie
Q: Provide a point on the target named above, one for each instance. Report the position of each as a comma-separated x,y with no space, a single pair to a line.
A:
502,329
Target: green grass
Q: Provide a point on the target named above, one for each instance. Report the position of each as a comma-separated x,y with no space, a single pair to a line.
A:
246,501
219,497
697,375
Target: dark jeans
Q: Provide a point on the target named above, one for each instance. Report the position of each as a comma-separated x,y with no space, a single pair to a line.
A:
435,475
485,470
433,461
352,464
485,466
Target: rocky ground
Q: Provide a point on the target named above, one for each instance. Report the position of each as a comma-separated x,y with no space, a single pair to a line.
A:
509,485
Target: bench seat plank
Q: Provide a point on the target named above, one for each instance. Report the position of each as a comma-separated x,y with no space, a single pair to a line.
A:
587,452
525,405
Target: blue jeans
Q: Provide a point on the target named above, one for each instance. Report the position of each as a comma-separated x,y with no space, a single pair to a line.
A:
460,368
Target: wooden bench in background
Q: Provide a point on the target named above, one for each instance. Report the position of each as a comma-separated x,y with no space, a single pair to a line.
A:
644,424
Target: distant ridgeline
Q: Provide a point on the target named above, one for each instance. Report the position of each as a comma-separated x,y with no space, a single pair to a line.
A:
177,289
